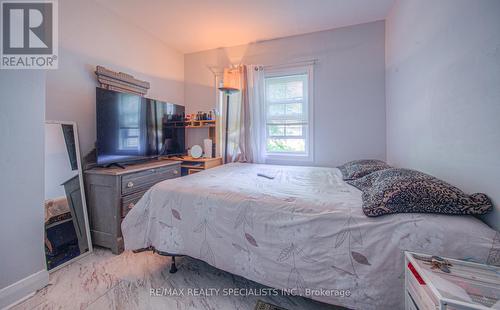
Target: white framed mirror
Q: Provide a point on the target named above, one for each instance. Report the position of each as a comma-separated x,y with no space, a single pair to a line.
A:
67,233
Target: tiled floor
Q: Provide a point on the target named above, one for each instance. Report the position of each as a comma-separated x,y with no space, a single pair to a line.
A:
106,281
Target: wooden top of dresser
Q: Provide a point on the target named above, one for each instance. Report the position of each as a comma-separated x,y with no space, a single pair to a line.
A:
133,168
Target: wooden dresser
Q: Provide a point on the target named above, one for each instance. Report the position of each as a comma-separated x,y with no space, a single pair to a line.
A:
112,192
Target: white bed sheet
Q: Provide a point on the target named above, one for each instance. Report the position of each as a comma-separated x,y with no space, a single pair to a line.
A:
304,229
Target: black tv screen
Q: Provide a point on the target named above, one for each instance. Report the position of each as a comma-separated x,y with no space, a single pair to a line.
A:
131,127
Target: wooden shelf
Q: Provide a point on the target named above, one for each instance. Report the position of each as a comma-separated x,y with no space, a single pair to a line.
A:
210,123
188,166
203,126
209,127
194,160
200,124
193,165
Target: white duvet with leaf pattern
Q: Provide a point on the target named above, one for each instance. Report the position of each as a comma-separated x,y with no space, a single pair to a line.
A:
303,231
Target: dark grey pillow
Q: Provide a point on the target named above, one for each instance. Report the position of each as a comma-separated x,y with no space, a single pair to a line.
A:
359,168
409,191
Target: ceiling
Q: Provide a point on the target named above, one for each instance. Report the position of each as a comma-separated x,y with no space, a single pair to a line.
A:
194,25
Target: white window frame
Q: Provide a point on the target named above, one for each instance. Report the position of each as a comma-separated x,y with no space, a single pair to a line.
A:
290,158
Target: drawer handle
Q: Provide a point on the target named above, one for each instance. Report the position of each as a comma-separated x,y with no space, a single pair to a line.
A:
152,170
175,172
130,184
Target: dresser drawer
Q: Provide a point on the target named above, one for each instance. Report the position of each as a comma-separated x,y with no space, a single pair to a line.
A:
128,202
143,180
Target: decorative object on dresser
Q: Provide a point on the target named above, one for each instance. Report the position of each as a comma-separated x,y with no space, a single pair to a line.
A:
196,151
119,81
207,148
433,282
192,165
201,116
112,192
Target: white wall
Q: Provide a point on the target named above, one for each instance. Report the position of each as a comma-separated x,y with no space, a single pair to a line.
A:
90,35
22,104
349,94
443,92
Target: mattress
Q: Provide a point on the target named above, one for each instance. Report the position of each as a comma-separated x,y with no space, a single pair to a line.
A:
302,231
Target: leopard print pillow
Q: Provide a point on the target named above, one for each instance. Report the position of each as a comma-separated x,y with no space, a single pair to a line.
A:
409,191
359,168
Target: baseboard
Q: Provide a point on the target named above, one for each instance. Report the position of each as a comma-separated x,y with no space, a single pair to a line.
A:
16,292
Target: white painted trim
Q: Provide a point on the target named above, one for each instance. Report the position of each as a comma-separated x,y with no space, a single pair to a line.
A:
23,289
290,159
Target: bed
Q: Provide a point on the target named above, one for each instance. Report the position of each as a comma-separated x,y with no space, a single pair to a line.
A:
303,231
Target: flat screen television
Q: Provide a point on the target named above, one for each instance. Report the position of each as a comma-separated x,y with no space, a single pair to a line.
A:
133,128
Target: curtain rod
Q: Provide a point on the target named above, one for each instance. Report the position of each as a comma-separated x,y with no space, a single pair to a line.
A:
288,64
218,70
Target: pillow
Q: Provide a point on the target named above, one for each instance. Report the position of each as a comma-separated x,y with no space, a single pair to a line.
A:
404,191
359,168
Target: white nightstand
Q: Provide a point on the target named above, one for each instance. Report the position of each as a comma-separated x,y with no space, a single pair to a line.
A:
466,286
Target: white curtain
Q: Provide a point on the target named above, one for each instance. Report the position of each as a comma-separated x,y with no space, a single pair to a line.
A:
235,115
255,125
245,118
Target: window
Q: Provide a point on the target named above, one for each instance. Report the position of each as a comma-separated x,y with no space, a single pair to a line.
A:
129,118
288,108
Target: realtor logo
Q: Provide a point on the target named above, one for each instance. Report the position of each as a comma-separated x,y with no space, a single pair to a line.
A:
29,34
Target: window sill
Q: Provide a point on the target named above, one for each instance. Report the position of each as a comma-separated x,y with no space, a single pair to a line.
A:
288,158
